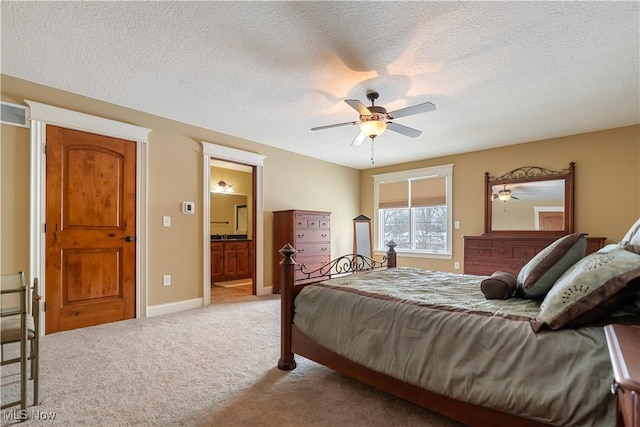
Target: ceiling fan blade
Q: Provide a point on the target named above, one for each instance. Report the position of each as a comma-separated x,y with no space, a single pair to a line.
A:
514,197
414,109
335,126
358,106
405,130
358,139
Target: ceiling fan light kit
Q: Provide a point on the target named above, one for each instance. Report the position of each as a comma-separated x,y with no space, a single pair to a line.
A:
374,120
504,195
372,127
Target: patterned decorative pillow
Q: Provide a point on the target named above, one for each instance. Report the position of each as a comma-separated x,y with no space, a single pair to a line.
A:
500,285
541,272
589,283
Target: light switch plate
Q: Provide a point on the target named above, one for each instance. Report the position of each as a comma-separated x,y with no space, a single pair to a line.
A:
166,221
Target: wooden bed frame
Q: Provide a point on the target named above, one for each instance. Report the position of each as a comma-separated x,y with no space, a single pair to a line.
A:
293,341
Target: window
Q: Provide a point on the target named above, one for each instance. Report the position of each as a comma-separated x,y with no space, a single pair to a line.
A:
413,208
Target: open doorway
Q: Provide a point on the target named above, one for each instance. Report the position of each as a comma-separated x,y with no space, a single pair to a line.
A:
256,162
231,228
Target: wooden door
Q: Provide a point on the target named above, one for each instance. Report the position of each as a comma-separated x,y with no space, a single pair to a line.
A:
230,261
551,220
90,234
242,259
217,261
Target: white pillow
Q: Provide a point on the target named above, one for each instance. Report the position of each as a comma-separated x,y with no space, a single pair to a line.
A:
633,231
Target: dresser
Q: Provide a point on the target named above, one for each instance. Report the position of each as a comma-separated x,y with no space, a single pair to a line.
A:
623,342
486,254
309,232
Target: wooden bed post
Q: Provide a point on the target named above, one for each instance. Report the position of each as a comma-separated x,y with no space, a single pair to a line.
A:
287,361
391,254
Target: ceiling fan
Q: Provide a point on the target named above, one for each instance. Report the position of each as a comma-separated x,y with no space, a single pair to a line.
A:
374,120
503,195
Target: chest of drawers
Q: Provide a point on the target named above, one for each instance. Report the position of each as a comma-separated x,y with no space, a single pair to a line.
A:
483,255
309,232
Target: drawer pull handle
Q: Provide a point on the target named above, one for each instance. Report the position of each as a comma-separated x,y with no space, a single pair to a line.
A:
475,263
614,388
300,236
300,250
324,235
476,243
324,249
513,266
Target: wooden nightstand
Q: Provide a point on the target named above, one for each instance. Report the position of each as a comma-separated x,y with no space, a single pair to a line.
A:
624,349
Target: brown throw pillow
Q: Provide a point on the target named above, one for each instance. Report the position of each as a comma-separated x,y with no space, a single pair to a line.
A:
500,285
541,272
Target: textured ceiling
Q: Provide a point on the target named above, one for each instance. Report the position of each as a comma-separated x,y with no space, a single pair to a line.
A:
499,73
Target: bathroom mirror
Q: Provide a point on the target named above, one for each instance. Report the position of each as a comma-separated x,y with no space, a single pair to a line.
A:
530,201
229,213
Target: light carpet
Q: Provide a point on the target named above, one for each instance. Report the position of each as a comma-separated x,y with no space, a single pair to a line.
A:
212,366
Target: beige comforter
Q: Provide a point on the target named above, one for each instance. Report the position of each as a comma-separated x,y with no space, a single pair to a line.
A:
437,331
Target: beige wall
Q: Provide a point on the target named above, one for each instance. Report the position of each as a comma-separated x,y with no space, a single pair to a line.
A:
175,173
607,188
14,199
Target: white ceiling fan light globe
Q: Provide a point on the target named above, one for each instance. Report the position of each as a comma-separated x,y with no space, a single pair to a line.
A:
372,128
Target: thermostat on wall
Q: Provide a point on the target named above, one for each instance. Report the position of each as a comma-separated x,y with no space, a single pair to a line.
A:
188,207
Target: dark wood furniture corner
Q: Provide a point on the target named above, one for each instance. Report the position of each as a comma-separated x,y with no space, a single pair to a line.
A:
310,234
624,349
486,254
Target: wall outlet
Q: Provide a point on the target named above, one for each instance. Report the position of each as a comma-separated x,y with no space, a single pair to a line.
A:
456,225
166,280
166,221
456,265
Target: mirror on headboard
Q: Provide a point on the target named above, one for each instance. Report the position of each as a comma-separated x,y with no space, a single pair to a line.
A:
530,200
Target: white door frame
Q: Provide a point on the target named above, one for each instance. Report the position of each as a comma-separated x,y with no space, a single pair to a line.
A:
219,152
43,115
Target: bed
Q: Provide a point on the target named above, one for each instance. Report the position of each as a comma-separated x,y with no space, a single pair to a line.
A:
434,339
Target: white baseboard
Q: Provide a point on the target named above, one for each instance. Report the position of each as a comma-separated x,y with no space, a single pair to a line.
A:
173,307
266,290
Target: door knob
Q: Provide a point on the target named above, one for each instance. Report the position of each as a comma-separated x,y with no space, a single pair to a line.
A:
128,238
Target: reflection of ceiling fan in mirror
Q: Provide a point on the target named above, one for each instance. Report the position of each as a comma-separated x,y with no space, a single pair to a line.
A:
503,195
374,120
